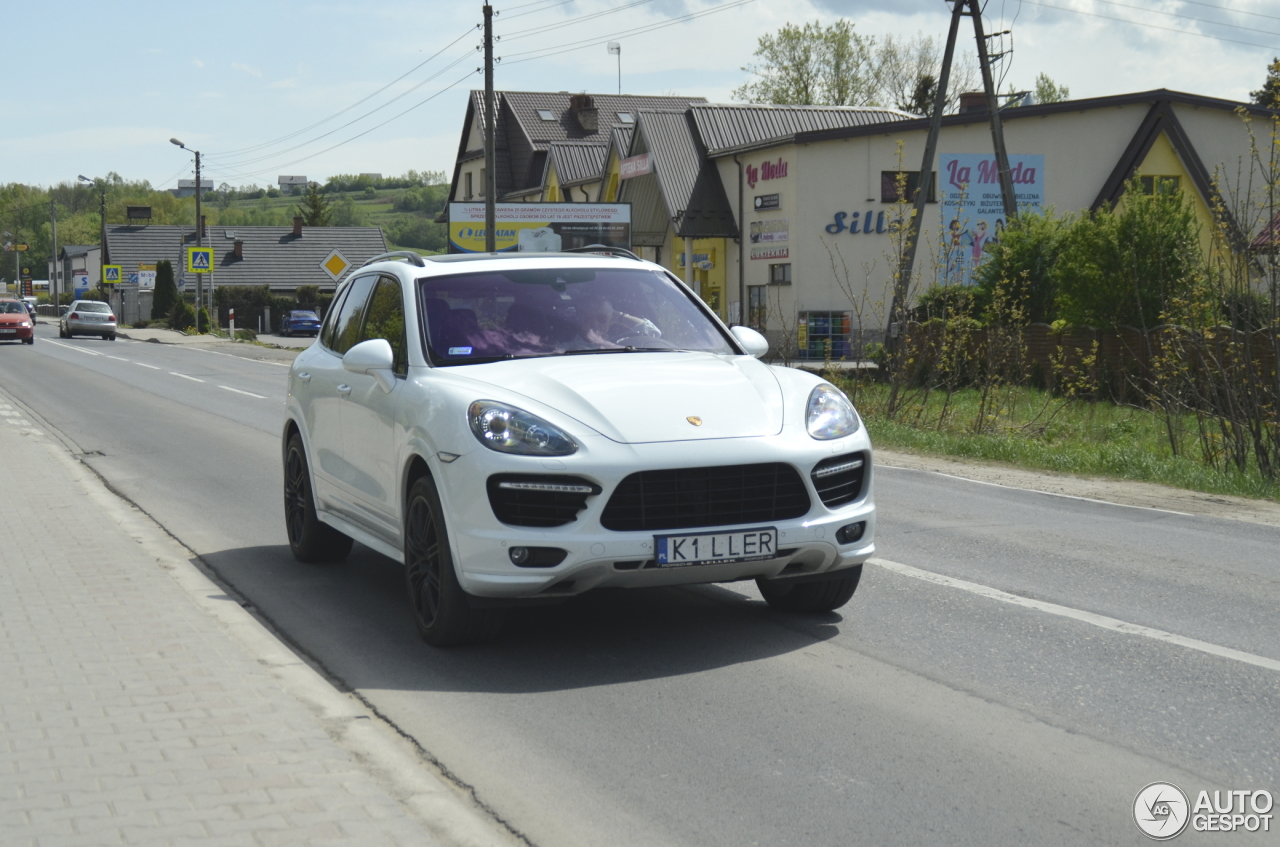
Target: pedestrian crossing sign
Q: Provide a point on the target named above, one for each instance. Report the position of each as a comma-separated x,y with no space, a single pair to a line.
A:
110,274
199,260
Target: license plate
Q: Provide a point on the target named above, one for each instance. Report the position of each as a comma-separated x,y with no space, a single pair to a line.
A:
743,545
7,331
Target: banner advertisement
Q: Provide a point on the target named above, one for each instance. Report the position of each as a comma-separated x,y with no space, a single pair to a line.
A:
79,283
540,227
146,276
972,208
770,232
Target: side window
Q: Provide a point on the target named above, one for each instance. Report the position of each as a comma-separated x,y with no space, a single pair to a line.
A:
331,317
385,319
346,329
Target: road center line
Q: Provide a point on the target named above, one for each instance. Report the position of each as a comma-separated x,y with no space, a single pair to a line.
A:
1078,614
246,393
184,376
71,347
117,358
153,367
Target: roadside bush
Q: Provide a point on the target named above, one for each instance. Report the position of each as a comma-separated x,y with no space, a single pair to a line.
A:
1026,259
182,317
205,321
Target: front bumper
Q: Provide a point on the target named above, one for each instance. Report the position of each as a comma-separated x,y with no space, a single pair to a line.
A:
598,557
16,333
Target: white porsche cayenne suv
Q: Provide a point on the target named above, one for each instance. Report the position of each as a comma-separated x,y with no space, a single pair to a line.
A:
516,427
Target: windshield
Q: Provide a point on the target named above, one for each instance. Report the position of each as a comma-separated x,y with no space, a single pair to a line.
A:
481,317
12,307
305,316
87,306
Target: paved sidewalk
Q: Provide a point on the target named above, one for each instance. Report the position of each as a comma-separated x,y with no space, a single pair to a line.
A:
139,704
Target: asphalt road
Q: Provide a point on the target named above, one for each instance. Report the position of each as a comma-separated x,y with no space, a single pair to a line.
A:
931,709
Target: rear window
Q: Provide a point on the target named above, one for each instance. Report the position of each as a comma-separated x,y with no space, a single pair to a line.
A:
92,307
305,316
481,317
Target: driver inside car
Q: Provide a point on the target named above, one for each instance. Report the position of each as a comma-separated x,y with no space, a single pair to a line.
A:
599,323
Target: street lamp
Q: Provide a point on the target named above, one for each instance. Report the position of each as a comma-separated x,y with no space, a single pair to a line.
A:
102,251
199,230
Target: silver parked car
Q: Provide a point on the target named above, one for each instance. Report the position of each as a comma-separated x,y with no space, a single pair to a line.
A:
88,317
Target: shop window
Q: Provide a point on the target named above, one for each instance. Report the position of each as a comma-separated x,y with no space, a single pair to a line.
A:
469,189
780,274
484,182
757,306
889,186
820,335
1165,184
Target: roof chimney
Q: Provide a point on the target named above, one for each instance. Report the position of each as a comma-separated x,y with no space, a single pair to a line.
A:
239,249
584,109
973,101
297,227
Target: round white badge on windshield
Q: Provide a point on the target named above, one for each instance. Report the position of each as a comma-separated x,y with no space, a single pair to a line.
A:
1161,811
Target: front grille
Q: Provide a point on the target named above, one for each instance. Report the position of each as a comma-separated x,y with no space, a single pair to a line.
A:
681,498
537,500
839,479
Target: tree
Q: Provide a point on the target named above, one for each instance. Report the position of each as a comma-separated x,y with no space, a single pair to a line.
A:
347,213
812,65
1269,94
907,72
165,295
314,208
1048,91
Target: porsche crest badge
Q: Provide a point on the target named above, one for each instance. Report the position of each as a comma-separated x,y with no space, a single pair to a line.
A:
695,420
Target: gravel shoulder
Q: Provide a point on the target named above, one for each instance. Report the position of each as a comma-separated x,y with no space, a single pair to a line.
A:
1146,494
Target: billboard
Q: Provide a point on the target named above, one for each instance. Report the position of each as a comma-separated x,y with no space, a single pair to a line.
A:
973,210
540,227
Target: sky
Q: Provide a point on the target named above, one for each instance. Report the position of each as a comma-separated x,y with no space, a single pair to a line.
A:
266,88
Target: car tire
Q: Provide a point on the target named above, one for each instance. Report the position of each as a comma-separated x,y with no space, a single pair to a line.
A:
111,337
31,340
442,611
63,333
825,595
310,539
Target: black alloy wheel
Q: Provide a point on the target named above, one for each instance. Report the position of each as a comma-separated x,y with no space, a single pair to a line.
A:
442,611
825,595
310,539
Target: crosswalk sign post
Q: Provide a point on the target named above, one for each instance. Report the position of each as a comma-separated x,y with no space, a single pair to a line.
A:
110,274
199,260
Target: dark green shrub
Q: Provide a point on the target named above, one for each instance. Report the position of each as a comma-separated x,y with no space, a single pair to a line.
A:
182,316
1026,258
166,292
206,322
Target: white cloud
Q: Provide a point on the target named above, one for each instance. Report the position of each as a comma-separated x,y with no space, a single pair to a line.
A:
246,69
199,63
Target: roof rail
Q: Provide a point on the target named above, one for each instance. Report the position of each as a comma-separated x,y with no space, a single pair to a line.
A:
606,250
412,257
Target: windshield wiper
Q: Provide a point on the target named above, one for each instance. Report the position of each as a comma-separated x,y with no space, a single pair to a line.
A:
620,350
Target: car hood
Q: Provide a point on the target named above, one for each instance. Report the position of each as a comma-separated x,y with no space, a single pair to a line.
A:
635,398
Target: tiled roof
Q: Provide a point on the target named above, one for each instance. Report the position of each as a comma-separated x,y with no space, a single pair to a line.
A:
689,181
575,161
67,251
728,128
272,254
525,105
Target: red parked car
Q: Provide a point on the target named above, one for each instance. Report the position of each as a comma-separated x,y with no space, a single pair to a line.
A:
16,323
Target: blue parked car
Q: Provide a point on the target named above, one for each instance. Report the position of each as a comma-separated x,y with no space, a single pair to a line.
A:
293,323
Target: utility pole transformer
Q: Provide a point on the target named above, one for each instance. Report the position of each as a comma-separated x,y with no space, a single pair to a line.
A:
489,183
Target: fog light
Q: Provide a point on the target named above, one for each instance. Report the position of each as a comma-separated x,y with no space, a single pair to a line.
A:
519,555
537,557
849,533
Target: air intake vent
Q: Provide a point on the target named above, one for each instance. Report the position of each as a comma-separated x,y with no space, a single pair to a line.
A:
695,497
535,500
839,479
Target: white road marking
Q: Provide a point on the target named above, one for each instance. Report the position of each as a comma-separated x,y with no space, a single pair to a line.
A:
241,358
117,358
153,367
246,393
184,376
1078,614
71,347
1037,490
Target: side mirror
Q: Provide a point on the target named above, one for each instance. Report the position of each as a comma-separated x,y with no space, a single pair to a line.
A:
753,342
375,358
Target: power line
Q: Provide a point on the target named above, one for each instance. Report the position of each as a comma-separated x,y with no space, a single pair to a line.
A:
1228,9
1151,26
543,9
1187,17
590,42
352,106
538,30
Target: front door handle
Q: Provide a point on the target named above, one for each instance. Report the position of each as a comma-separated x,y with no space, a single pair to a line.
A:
304,377
344,390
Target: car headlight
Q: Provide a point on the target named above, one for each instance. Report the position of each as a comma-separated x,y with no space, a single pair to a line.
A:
830,414
510,430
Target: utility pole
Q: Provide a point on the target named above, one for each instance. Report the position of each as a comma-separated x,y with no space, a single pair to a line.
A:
616,49
199,243
997,130
53,232
490,180
902,285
